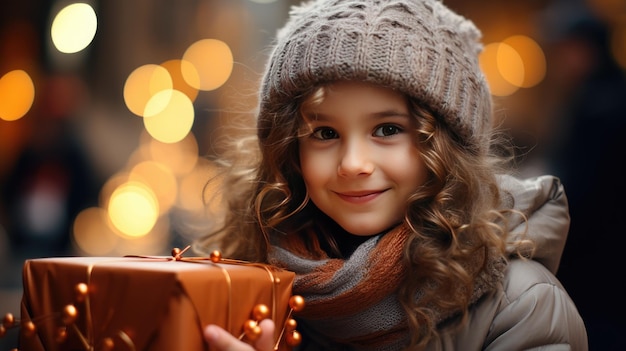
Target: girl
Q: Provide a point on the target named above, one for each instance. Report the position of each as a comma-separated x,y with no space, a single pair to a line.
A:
372,178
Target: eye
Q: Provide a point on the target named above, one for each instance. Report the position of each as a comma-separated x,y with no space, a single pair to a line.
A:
325,133
387,130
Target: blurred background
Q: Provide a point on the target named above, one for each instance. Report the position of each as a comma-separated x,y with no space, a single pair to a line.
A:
108,110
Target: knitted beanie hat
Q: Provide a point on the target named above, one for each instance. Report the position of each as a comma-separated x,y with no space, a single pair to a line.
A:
418,47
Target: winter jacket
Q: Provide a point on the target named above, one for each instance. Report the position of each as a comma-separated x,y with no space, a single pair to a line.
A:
531,310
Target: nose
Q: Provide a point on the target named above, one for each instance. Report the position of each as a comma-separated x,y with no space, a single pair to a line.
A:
356,159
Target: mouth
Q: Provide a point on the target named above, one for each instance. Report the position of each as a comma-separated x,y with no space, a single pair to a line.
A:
359,197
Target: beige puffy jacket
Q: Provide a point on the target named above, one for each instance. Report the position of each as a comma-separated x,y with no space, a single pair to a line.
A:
532,310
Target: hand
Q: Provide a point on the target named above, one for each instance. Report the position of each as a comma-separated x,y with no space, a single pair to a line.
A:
222,340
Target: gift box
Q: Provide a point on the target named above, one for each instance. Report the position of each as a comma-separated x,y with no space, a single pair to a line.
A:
150,303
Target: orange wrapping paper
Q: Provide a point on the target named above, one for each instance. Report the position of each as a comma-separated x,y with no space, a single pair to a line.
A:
146,304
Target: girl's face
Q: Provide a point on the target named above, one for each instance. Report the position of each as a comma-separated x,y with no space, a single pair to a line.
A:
358,156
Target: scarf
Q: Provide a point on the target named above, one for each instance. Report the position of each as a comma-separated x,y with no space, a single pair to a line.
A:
353,301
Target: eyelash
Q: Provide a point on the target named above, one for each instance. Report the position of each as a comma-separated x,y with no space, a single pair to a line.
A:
318,132
396,130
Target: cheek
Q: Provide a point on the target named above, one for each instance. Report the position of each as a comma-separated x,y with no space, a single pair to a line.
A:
314,168
409,168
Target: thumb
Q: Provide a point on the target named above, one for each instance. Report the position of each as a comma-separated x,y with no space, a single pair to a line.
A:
266,341
221,340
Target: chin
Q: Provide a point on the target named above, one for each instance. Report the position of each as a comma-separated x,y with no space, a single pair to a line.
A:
363,230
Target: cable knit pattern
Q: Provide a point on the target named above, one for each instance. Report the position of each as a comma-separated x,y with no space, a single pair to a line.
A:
418,47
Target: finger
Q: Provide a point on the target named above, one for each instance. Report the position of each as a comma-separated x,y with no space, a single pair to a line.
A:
222,340
266,341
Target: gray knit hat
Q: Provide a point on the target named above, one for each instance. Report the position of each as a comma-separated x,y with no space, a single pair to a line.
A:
418,47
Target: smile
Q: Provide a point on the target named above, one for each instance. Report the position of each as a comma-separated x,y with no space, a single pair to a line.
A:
360,196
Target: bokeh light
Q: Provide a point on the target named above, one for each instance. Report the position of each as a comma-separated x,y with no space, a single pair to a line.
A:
74,27
142,84
173,122
176,69
532,57
516,62
133,209
510,64
17,93
111,184
158,178
489,62
213,60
